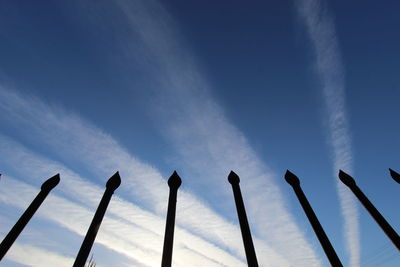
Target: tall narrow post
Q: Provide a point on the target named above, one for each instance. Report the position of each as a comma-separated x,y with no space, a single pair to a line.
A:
234,180
112,184
174,182
330,252
27,215
386,227
395,175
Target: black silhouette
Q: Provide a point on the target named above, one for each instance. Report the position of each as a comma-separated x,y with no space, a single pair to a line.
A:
174,182
330,252
395,175
234,180
112,184
27,215
389,231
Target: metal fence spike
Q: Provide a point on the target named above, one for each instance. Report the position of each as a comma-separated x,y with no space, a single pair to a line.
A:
386,227
112,184
330,252
46,187
174,182
234,180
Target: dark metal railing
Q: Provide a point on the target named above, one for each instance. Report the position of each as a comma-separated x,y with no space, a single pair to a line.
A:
330,252
234,180
27,215
112,184
386,227
174,183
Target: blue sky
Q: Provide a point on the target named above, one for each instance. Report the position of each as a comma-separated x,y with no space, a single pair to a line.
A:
148,87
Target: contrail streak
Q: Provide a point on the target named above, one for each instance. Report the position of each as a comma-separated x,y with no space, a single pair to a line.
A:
330,70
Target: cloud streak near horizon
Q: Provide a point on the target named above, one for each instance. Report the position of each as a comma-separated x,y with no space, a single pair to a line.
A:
330,70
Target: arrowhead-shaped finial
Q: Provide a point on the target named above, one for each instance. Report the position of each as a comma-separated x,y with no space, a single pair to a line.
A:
291,178
395,175
114,182
51,183
346,179
233,178
174,181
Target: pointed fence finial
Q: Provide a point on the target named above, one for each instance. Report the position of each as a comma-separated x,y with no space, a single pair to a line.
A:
233,178
51,183
346,179
385,226
47,186
330,252
251,257
291,178
112,184
174,182
395,175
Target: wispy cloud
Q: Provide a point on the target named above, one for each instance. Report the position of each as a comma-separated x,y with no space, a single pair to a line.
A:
29,113
207,142
32,256
142,225
209,145
329,66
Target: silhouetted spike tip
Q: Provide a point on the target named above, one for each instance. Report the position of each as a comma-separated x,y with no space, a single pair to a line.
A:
51,182
291,178
114,182
395,175
233,178
174,181
346,179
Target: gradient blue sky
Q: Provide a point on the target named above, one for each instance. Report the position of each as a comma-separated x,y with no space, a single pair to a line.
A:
202,87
